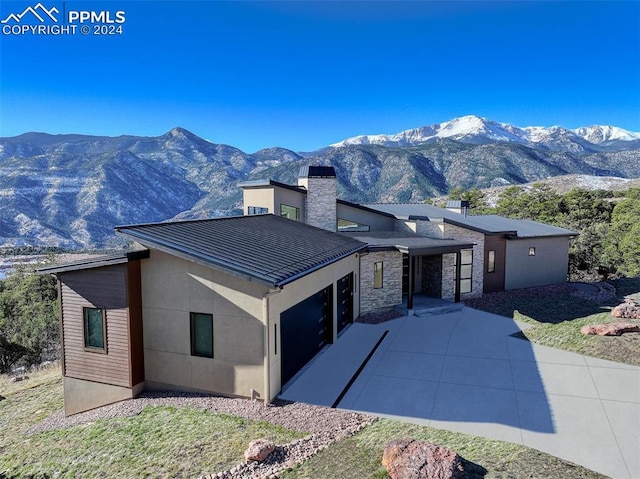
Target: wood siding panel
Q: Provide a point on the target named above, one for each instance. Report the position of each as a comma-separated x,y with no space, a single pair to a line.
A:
96,288
136,345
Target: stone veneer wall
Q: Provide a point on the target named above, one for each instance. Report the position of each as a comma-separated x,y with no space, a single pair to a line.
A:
390,294
320,202
477,280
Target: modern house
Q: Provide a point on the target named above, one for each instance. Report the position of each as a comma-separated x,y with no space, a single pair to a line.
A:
238,305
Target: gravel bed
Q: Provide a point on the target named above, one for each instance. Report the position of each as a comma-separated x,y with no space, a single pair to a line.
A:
324,425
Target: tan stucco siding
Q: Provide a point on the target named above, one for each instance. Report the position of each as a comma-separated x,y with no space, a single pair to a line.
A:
81,395
172,289
271,197
376,299
548,265
262,197
295,292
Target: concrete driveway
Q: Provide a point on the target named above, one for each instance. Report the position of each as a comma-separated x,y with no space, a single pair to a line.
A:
462,371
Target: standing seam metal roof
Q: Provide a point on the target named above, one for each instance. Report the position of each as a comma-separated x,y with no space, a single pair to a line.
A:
267,248
489,224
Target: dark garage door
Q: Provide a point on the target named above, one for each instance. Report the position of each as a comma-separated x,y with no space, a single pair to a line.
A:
305,330
345,301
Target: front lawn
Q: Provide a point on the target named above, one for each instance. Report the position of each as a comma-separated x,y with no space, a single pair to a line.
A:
360,456
161,441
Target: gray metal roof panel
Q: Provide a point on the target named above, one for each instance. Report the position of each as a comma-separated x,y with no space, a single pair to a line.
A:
489,224
411,244
95,262
266,248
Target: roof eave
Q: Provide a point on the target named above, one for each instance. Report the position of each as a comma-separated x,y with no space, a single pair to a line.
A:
91,263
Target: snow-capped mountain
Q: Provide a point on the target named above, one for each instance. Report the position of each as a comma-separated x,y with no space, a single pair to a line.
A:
600,134
71,190
477,130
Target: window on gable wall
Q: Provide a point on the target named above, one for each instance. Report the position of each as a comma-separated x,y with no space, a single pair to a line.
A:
257,210
94,328
348,225
290,212
466,270
202,335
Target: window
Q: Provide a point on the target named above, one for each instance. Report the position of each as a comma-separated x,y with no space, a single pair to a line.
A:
275,339
202,335
466,270
348,225
377,275
257,210
290,212
94,328
532,251
491,262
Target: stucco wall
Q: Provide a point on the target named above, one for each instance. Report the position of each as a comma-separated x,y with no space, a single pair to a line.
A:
81,395
271,197
463,234
390,294
376,222
171,289
293,293
548,266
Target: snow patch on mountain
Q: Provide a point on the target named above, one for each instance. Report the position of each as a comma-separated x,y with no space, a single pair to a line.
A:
475,129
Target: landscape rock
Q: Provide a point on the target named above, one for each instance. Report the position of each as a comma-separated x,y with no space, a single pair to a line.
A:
259,450
412,459
610,329
628,310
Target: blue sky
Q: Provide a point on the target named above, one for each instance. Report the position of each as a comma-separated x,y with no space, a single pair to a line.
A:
304,74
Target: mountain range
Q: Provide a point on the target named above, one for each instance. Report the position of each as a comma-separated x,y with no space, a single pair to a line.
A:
71,190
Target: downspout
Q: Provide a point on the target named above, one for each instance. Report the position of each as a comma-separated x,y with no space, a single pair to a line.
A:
267,356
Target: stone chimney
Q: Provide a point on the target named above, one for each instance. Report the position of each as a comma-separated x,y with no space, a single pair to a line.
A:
320,204
458,206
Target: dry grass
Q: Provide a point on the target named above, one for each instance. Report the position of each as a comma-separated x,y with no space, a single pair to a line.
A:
161,441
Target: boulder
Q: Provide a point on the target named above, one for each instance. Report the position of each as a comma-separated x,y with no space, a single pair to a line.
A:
610,329
259,450
628,310
413,459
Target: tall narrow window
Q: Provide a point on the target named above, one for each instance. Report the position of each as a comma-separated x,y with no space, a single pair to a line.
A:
377,275
94,328
491,262
532,251
202,335
466,270
290,212
275,339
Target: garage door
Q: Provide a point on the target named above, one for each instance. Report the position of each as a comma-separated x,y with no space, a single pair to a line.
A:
305,330
345,301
